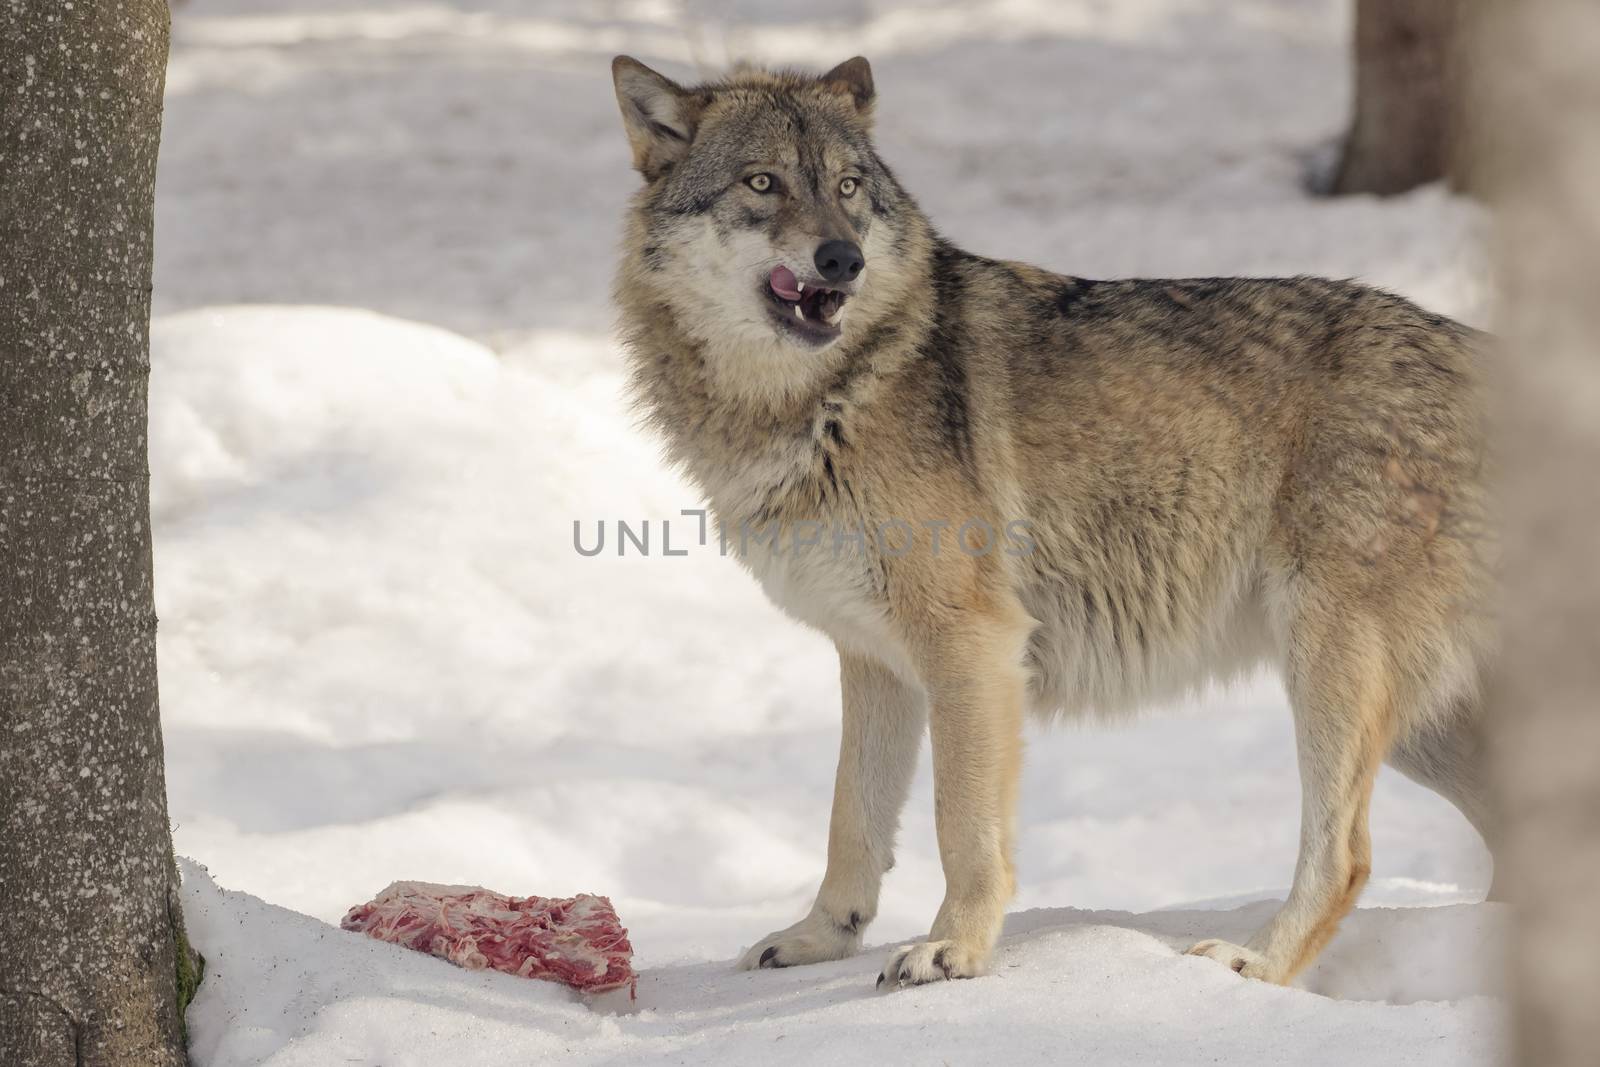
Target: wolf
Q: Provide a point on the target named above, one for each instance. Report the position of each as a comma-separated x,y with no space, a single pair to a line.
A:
1205,475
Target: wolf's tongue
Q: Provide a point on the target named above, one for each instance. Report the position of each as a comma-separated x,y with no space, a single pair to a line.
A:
784,283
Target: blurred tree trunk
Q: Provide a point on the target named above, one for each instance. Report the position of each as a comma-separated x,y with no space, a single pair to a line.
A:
1541,89
1405,130
91,946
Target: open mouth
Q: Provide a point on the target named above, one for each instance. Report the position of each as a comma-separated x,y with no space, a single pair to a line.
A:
812,312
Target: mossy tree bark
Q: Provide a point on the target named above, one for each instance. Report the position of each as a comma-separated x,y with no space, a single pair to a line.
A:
90,931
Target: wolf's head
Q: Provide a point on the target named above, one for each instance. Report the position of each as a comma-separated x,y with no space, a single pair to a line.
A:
768,225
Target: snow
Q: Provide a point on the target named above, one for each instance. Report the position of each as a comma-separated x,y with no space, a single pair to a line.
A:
1067,986
384,389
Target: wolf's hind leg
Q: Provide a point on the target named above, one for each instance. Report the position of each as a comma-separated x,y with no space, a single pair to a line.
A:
1450,758
883,723
1344,716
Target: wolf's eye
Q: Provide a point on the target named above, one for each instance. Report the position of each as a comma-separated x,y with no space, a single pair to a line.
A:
761,183
848,187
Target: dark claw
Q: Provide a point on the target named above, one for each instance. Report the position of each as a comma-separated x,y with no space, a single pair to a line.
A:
939,962
767,957
905,975
881,977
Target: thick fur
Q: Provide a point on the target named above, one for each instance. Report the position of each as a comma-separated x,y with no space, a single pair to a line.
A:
1204,475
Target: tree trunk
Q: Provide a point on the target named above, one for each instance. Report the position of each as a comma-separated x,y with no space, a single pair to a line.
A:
90,933
1405,129
1542,93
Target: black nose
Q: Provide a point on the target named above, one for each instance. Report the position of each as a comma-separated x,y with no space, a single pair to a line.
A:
839,261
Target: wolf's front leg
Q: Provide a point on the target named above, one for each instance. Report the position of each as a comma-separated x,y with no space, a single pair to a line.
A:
883,723
976,691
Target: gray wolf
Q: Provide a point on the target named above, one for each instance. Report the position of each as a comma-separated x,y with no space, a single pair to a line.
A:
1211,474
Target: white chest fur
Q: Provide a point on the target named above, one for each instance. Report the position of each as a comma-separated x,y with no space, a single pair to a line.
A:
820,570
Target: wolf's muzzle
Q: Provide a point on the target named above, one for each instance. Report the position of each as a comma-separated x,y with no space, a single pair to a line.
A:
839,261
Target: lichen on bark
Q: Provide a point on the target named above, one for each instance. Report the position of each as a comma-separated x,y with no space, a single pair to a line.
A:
90,971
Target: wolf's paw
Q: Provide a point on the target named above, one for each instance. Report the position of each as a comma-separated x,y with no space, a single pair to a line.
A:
1236,958
928,961
814,939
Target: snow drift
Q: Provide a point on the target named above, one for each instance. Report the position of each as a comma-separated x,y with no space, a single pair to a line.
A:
1067,987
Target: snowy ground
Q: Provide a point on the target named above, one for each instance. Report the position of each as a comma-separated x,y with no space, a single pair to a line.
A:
381,657
1067,986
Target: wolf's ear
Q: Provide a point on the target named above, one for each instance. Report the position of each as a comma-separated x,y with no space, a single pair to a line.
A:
658,114
853,76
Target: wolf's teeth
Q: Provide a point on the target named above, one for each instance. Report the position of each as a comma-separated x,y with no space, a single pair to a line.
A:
832,317
800,287
801,315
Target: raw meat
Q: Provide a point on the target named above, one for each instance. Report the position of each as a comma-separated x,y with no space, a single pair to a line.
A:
579,940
